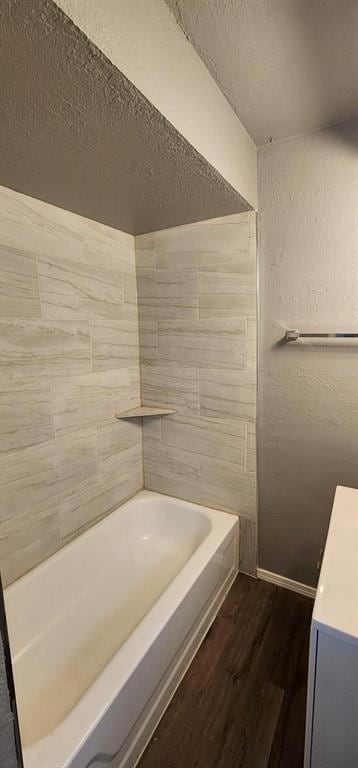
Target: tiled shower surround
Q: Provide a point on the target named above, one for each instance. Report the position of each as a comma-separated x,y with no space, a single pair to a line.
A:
197,330
69,360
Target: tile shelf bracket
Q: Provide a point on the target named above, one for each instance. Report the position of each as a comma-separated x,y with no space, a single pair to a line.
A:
145,410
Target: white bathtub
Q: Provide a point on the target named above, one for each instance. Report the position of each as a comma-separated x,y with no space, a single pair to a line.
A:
102,632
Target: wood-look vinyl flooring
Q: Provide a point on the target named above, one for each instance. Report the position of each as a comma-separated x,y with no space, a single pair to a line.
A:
242,702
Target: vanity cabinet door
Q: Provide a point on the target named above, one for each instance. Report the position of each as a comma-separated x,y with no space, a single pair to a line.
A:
335,708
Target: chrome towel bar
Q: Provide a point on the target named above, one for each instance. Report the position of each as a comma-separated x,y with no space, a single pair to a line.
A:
294,335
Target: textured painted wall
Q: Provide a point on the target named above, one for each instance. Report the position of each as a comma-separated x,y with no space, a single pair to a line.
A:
69,360
197,323
308,432
300,58
9,727
7,742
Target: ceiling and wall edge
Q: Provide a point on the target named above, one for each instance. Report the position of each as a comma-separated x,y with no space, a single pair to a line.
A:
143,40
76,133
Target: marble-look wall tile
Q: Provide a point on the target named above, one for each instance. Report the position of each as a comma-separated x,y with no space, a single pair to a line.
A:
75,457
248,546
119,476
251,344
226,295
111,261
135,387
152,428
204,366
225,486
25,412
30,224
252,216
171,471
27,480
91,399
250,461
219,305
123,461
105,246
148,341
218,438
84,505
253,249
227,393
199,244
74,291
96,499
81,345
27,539
157,480
114,437
69,360
180,465
144,252
19,289
203,343
33,478
130,301
44,347
227,283
240,263
178,387
115,344
165,294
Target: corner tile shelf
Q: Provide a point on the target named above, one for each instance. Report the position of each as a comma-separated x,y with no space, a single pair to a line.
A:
145,410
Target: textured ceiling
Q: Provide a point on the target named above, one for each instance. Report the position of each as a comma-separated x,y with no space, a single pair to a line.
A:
285,66
76,133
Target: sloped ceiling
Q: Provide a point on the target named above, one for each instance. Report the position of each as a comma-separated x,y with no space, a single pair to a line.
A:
76,133
285,66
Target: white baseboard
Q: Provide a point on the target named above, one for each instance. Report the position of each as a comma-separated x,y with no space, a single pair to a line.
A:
283,581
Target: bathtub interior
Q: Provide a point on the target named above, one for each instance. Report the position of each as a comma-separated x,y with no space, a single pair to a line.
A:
87,599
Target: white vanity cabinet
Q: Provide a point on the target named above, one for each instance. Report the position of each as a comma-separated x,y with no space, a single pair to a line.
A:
332,703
